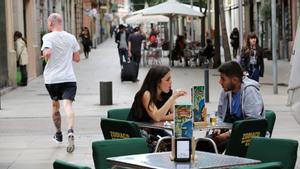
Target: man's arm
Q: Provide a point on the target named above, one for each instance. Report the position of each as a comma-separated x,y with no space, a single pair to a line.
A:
252,103
117,38
76,57
47,53
129,49
143,33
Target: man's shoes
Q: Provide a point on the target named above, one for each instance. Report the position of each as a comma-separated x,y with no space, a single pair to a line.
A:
58,137
71,146
136,80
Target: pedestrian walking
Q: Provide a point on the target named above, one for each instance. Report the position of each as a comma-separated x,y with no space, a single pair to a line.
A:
111,30
234,41
60,48
22,56
86,41
134,46
252,58
121,39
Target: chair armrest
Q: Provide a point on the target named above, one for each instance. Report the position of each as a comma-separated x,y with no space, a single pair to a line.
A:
160,141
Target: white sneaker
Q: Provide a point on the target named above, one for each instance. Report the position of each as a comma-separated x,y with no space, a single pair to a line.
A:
71,146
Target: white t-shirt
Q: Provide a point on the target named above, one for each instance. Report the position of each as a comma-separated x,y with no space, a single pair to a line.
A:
59,67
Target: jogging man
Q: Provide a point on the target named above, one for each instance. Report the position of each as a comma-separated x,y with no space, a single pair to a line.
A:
59,50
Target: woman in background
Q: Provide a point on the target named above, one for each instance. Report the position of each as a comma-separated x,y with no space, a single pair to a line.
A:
86,41
252,58
22,56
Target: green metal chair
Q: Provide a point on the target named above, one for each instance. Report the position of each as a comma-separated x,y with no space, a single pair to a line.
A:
241,134
119,129
60,164
270,165
117,147
274,149
120,114
271,118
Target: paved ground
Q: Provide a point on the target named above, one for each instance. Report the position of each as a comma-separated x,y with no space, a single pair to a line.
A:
25,121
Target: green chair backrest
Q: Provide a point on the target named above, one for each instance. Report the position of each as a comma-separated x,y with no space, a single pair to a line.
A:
120,114
274,149
241,134
117,147
270,165
271,117
118,129
60,164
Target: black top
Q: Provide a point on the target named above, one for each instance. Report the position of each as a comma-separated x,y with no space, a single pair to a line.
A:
245,59
234,36
118,37
136,40
138,106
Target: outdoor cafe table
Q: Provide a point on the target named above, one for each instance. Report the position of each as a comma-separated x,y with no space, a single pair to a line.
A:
162,160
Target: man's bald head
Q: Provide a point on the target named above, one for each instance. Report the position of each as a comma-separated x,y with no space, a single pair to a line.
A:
55,22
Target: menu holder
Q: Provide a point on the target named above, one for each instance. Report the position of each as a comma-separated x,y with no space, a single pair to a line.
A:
198,104
183,149
183,121
183,142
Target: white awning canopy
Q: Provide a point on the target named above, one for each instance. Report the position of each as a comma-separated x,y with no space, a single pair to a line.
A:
171,8
139,18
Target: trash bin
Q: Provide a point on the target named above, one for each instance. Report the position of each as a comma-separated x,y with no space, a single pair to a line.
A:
106,93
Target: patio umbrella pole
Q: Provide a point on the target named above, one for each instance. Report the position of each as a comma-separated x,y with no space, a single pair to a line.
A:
171,40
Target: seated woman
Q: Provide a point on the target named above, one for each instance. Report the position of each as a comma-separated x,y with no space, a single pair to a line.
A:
177,53
154,101
208,52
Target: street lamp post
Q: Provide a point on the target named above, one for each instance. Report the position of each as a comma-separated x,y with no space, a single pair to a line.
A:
241,23
208,19
274,47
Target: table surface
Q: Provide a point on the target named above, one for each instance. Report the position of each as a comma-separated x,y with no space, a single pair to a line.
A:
162,160
169,126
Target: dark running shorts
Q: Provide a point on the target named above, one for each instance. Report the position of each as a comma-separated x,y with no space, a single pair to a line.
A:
62,91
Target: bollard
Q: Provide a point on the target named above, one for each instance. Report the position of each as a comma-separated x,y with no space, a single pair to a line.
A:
106,93
206,81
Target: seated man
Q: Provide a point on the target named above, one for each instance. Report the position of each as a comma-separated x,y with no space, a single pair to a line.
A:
207,53
240,99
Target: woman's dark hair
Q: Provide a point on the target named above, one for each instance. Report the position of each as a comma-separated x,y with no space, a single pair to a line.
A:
208,41
235,29
152,80
231,69
251,35
18,35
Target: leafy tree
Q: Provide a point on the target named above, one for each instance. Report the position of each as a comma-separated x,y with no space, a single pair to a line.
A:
224,32
140,4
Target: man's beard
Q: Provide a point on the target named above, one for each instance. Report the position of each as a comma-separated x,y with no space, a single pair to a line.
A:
230,87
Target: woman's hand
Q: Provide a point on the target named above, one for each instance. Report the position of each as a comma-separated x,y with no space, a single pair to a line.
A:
178,93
